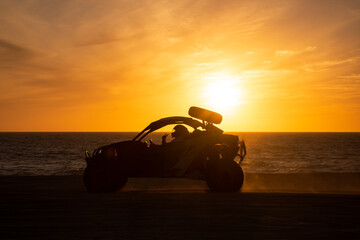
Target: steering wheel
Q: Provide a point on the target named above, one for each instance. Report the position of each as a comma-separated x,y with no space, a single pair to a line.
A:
149,143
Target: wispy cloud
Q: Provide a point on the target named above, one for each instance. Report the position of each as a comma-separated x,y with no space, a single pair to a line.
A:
326,65
10,52
284,52
292,52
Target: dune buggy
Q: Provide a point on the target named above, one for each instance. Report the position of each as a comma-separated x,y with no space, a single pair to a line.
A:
206,153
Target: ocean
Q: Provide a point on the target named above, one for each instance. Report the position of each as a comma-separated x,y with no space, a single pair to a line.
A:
43,154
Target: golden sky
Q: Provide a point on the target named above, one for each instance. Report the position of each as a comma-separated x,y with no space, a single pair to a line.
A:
119,65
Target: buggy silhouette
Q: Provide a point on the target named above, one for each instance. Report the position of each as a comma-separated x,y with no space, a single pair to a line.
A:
206,153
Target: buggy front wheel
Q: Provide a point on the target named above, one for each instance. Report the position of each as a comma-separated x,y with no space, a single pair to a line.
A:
103,177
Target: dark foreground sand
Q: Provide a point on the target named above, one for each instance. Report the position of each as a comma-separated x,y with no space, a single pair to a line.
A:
271,206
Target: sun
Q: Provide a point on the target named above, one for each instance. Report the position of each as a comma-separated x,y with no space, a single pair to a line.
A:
222,92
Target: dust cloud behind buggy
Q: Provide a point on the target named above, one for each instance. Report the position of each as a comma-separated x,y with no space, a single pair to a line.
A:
206,153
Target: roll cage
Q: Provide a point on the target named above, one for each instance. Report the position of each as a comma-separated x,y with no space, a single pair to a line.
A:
173,120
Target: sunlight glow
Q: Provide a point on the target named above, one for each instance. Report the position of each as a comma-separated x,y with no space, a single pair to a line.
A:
222,92
117,66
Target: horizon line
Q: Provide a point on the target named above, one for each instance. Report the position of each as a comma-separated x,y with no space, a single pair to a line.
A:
168,131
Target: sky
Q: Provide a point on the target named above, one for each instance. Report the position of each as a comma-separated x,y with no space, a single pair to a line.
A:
268,65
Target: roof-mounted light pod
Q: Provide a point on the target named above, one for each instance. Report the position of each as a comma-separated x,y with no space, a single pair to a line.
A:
205,115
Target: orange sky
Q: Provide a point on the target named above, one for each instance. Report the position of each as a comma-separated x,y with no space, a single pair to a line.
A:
119,65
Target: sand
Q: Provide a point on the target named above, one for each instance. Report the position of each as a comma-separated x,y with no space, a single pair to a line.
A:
270,206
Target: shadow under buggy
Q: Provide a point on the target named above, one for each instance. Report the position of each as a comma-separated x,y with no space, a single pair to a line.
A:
206,153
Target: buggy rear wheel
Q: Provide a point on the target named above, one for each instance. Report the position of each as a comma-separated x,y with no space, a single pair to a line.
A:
104,177
226,176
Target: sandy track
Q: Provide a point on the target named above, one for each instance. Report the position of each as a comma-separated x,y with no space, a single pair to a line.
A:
59,207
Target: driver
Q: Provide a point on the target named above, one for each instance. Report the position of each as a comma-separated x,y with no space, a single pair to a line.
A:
179,132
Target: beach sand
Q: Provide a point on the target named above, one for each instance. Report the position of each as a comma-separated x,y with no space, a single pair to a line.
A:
270,206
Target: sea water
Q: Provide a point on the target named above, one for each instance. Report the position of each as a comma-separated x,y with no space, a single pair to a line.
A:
63,153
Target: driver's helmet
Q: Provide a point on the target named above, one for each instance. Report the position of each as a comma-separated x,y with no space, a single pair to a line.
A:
179,131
